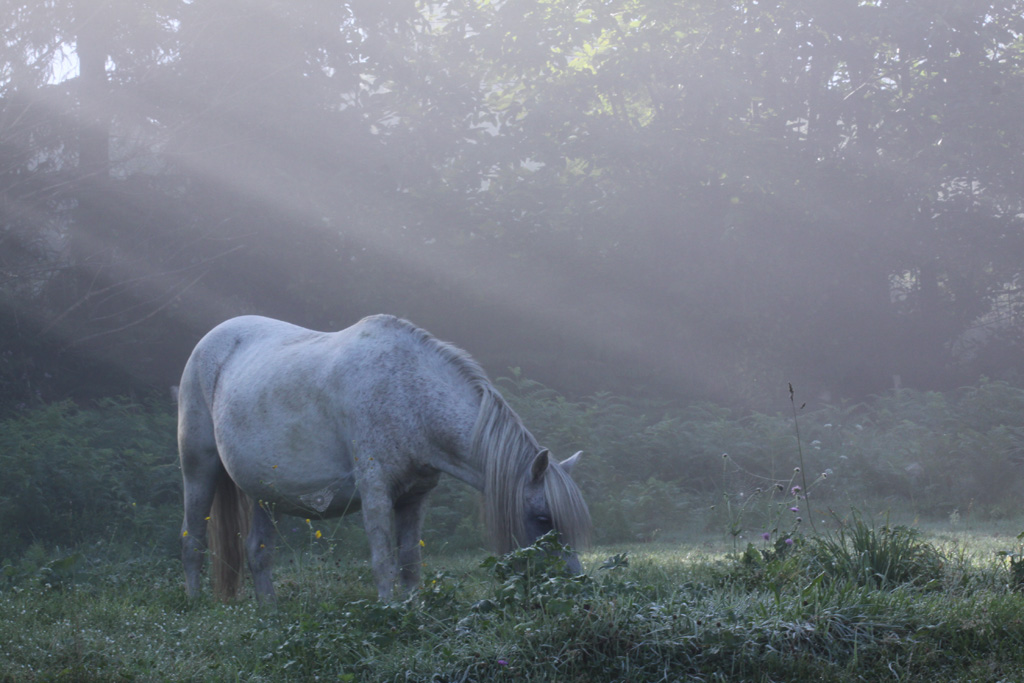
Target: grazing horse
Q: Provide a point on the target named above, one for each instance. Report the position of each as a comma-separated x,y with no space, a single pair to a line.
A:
274,418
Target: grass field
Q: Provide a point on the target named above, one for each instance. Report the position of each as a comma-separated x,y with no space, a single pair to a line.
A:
675,612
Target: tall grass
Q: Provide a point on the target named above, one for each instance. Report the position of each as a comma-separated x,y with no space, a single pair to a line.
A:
880,557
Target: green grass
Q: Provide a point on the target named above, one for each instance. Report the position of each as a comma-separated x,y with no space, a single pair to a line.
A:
654,612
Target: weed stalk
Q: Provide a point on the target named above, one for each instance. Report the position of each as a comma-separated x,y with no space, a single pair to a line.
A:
800,454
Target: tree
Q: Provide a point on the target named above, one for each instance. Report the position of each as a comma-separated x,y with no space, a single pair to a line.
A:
798,190
693,198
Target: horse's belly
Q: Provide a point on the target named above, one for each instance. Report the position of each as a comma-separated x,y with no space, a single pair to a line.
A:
332,500
320,497
298,469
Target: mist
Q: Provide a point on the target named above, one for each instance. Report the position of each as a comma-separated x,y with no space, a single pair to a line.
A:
759,262
687,201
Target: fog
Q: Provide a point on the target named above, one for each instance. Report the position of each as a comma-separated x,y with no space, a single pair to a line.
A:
684,201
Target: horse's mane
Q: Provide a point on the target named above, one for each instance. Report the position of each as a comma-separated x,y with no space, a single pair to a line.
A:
463,363
507,450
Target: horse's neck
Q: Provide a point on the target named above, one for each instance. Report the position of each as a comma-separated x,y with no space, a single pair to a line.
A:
454,419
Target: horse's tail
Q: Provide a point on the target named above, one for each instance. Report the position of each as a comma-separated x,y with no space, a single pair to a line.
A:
229,525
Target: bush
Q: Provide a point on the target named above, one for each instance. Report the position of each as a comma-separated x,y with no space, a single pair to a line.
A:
72,475
650,470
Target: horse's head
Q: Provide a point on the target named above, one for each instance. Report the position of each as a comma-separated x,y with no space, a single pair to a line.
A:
551,500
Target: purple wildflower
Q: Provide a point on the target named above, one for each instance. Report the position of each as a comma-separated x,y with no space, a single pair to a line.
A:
795,490
766,535
794,509
502,662
789,541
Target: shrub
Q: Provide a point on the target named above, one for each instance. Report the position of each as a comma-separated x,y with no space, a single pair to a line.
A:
73,474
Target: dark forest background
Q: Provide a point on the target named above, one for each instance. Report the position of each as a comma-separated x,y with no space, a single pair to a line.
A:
684,200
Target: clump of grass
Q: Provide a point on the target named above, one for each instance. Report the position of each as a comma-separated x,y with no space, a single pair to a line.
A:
1015,564
879,557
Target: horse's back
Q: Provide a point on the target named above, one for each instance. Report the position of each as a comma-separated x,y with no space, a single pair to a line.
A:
248,353
293,406
245,342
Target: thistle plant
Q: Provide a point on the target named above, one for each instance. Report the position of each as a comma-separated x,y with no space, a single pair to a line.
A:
781,504
800,454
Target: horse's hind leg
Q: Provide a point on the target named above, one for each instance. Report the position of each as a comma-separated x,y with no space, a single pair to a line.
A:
201,471
259,547
408,528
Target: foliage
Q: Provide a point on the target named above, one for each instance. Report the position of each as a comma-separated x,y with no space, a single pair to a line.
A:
536,576
80,475
74,476
1015,561
697,199
660,471
454,519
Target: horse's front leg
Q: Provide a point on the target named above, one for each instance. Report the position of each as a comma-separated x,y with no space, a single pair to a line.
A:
193,540
378,520
409,528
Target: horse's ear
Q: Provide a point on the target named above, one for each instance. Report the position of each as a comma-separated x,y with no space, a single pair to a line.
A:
540,466
569,463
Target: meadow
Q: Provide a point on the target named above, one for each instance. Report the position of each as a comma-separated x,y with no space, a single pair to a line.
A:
882,543
864,602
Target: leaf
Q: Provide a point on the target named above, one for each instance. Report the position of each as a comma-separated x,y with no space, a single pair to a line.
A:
559,606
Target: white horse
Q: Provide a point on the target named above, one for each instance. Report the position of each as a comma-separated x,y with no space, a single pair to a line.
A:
274,418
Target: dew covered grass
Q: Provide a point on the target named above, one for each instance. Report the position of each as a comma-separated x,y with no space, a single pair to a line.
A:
675,612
